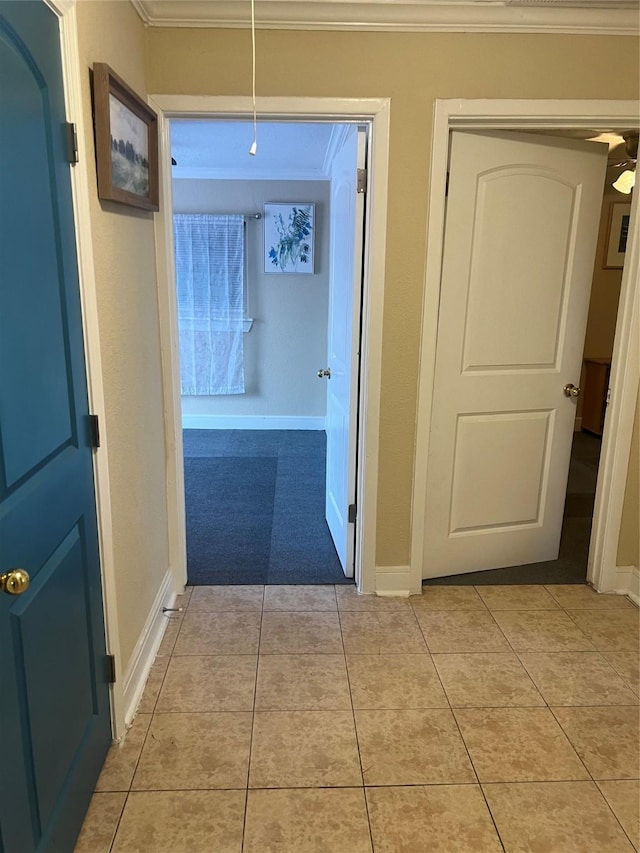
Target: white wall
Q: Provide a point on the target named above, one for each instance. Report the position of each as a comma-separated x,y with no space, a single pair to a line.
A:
288,342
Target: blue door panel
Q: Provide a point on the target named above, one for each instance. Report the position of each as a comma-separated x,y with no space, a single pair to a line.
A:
39,503
54,698
33,365
56,671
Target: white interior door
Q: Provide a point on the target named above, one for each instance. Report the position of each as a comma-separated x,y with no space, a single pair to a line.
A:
521,229
347,219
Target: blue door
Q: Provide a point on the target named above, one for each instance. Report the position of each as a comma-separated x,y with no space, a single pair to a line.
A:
54,697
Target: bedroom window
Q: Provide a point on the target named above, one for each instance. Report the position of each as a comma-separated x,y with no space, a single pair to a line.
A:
211,295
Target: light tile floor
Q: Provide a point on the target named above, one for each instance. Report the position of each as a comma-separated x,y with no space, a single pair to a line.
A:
309,719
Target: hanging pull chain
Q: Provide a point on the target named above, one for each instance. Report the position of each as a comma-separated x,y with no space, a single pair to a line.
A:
254,144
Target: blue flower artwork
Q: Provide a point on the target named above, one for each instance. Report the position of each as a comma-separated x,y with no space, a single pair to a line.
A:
288,238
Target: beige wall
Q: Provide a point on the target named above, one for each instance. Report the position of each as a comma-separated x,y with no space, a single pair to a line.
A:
123,241
601,327
605,296
605,290
412,69
629,544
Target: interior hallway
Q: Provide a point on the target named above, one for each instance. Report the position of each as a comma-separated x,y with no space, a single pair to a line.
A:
313,719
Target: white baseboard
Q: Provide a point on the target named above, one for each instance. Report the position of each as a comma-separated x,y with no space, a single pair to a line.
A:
251,422
577,426
625,580
146,649
395,581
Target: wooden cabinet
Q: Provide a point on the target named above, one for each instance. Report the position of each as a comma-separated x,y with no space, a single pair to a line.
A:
594,393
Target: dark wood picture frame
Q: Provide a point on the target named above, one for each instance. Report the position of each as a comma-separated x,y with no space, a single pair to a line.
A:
615,244
127,167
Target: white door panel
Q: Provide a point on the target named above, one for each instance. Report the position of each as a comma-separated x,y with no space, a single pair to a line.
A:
347,211
508,279
509,450
522,223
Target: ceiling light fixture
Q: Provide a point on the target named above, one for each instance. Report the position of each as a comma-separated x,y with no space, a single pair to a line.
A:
254,144
625,181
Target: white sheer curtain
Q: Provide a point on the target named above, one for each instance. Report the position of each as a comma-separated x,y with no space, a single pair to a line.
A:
210,286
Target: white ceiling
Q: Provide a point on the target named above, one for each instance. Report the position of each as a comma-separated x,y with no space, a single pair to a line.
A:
220,149
615,17
612,138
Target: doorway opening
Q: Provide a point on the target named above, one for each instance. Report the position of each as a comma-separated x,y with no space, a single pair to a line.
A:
571,566
270,374
620,413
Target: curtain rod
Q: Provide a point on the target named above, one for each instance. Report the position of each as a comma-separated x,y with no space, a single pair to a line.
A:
244,215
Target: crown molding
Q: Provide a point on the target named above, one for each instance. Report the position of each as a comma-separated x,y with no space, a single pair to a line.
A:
140,8
586,17
338,136
60,7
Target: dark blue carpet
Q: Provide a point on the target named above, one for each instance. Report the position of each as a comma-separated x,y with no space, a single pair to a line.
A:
255,508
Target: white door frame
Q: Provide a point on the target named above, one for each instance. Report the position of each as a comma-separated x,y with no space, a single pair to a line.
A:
375,111
625,367
72,80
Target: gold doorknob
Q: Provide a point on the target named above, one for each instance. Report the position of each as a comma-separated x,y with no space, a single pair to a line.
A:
14,582
571,390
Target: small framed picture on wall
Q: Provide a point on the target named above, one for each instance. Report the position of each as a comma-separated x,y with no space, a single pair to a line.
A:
615,244
126,134
289,231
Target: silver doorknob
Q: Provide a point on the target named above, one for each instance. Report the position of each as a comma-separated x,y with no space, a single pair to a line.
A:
571,390
324,373
14,582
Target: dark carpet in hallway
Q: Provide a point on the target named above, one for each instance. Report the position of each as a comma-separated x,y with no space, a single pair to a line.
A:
571,565
255,508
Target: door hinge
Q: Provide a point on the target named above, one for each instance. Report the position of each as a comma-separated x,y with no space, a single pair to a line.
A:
111,669
608,397
94,431
351,516
362,181
446,186
71,133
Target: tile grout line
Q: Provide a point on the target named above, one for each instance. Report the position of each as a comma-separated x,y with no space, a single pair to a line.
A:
485,651
170,656
464,743
144,740
564,705
358,787
119,821
451,710
515,651
475,772
560,609
517,654
590,781
253,722
633,843
571,743
355,730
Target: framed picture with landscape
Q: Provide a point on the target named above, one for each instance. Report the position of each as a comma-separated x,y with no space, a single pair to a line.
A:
126,134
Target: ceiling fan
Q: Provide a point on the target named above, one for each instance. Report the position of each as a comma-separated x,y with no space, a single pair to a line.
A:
625,181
